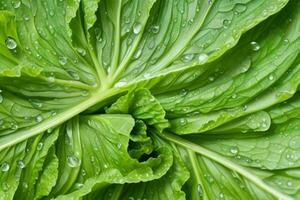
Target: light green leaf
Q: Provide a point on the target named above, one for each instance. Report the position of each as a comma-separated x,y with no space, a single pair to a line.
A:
93,155
94,93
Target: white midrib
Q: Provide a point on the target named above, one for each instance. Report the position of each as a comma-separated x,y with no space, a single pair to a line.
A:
228,164
23,134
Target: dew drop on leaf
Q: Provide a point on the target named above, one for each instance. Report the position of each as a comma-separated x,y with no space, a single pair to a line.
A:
211,78
240,8
155,29
286,41
119,146
36,104
62,60
39,146
25,185
199,190
39,118
137,27
81,51
147,75
289,183
202,58
51,13
183,121
10,43
74,74
226,23
4,167
138,53
183,92
271,77
20,164
221,195
234,150
254,46
73,161
78,185
187,57
14,126
16,4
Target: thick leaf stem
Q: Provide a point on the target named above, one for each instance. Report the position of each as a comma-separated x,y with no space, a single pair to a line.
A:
23,134
227,163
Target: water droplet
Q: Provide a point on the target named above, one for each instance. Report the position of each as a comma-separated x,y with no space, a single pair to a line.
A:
271,77
73,161
25,17
36,104
4,167
74,74
187,57
25,185
105,166
39,146
183,121
210,2
137,27
211,78
10,43
138,53
152,99
209,178
240,8
202,58
183,92
39,118
85,93
234,150
255,46
78,185
16,4
49,130
155,29
62,60
289,183
14,126
20,164
119,146
147,75
221,195
245,107
286,41
199,190
81,51
190,22
226,23
51,13
53,113
234,96
120,84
